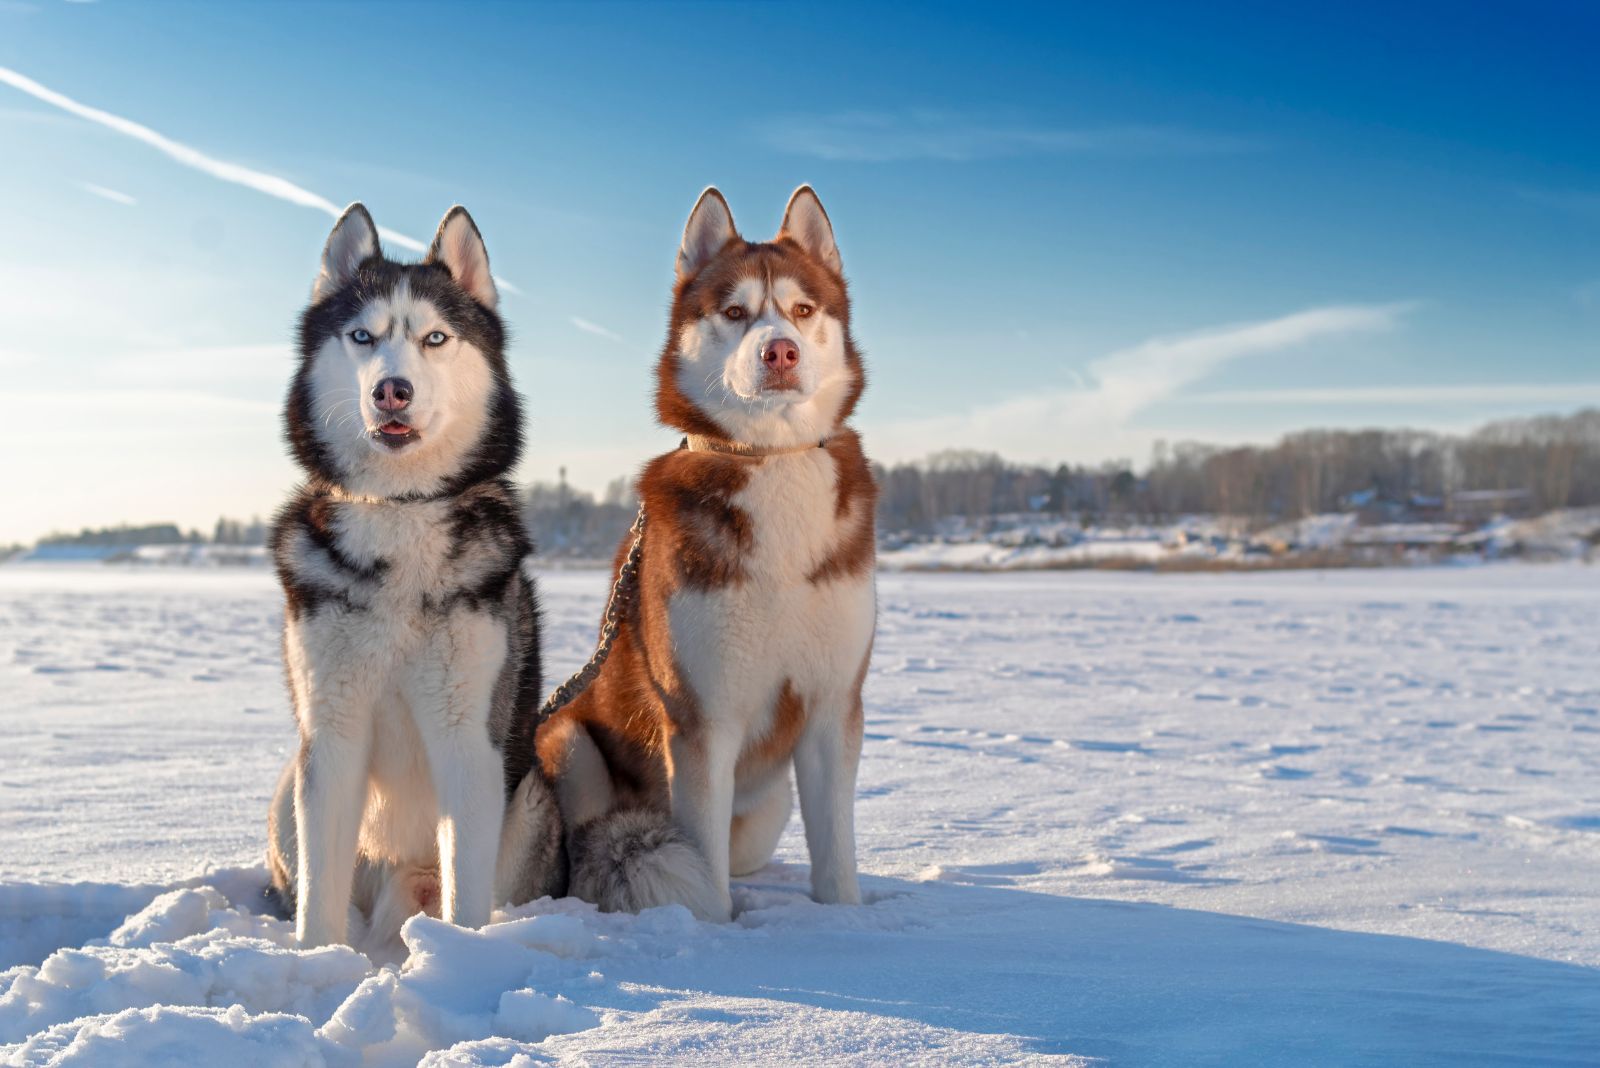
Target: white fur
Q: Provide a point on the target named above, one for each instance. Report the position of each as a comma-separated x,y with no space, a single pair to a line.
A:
531,815
459,247
633,860
584,789
720,367
710,226
397,757
354,238
806,222
738,646
762,817
452,385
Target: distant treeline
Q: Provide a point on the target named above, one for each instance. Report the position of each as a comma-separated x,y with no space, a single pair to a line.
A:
1529,465
1522,465
124,535
568,522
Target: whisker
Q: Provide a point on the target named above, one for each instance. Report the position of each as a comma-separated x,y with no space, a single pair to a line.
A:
330,410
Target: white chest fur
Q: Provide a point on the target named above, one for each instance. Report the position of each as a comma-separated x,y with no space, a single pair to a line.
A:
738,645
412,540
397,561
406,626
393,669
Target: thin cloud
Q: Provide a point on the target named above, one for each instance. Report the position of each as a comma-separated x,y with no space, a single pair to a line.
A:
186,402
594,328
112,195
1580,202
260,181
1094,421
884,137
1564,393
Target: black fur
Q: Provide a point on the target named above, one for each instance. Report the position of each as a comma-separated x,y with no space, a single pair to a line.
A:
483,521
501,446
483,517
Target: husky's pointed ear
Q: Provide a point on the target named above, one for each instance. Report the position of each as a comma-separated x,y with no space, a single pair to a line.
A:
806,223
353,241
710,227
459,248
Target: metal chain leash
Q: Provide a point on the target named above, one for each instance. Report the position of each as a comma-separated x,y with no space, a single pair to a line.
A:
622,592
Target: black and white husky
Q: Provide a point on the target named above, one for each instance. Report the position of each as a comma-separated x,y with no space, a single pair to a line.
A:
411,629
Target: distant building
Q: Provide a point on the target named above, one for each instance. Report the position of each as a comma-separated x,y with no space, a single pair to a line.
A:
1468,505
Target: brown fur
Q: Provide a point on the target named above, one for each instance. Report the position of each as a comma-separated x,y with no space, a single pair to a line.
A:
706,293
697,538
857,494
769,752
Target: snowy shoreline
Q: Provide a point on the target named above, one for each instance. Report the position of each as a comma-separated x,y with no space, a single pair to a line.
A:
1036,542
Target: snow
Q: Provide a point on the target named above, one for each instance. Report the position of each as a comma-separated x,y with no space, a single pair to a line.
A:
1036,541
1300,817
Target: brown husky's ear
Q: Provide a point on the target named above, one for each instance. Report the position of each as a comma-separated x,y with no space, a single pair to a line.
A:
459,248
806,222
353,240
710,227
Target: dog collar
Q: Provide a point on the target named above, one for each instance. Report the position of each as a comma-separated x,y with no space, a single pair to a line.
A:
701,443
339,493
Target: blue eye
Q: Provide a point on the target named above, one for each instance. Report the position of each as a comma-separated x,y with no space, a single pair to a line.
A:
437,338
360,337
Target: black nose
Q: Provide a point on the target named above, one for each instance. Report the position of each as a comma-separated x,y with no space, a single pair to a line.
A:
392,394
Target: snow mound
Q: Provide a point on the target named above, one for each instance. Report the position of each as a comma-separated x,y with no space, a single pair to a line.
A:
188,947
190,978
161,1035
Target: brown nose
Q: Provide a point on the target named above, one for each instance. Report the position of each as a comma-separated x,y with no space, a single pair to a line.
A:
780,354
392,394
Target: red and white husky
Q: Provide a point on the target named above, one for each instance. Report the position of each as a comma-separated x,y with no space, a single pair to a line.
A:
745,649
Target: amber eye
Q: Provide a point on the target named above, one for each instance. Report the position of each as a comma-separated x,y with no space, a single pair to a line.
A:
802,311
733,311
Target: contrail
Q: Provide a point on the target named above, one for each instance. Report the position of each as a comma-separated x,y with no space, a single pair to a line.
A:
260,181
594,328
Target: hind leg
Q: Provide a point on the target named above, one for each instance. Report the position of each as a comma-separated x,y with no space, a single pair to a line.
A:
282,849
758,825
532,862
283,855
397,892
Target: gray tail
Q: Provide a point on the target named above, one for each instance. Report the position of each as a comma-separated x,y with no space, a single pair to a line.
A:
634,859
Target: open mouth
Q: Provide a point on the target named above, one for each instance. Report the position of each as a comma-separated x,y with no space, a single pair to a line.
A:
395,434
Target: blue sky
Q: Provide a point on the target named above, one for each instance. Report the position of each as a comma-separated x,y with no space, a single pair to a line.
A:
1071,232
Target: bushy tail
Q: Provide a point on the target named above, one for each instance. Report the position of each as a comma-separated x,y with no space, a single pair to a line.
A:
634,859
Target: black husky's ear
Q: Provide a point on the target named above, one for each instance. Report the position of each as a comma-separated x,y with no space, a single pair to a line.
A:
353,240
806,222
710,226
459,247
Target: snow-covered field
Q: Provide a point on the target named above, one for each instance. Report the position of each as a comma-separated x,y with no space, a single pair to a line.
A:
1297,818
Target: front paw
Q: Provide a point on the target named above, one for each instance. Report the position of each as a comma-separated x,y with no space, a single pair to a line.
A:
836,892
